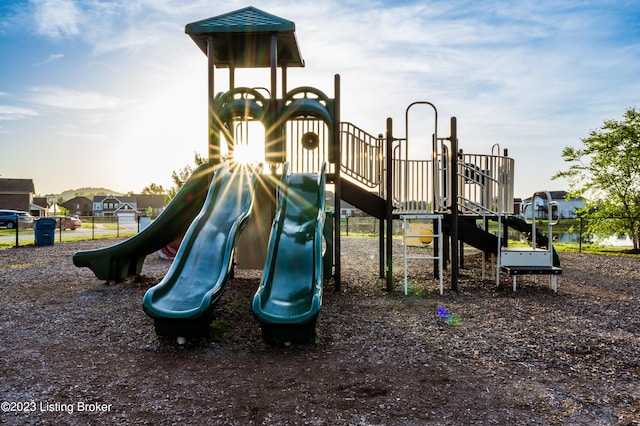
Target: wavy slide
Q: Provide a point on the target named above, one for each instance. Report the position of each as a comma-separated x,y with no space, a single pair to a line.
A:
118,261
181,303
289,298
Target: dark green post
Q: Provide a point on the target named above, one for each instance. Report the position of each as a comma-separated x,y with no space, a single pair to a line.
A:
389,218
454,204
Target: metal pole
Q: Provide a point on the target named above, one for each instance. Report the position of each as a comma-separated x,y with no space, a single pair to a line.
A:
337,161
437,263
274,66
381,241
389,212
214,151
580,237
454,204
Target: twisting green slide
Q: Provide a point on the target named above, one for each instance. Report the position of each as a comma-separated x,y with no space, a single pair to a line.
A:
118,261
181,304
289,298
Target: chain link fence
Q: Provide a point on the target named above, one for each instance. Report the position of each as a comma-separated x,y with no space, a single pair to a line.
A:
91,228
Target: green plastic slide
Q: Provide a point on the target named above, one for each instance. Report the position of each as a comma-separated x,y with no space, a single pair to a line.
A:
126,258
289,298
182,302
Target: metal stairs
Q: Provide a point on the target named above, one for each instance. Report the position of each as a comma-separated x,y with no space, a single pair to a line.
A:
533,260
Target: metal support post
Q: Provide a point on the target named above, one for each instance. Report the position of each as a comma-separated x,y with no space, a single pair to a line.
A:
389,212
454,204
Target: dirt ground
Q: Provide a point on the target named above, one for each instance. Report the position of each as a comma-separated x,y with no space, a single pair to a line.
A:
74,350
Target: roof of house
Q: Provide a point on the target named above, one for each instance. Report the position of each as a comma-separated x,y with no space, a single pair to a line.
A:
17,186
76,200
40,201
556,195
150,200
120,198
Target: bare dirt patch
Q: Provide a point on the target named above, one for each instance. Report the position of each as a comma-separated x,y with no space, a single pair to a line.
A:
69,342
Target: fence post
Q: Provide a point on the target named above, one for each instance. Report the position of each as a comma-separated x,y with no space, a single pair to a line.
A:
580,237
93,227
17,226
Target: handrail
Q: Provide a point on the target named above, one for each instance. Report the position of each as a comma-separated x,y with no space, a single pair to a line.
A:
364,155
444,169
486,209
434,143
550,222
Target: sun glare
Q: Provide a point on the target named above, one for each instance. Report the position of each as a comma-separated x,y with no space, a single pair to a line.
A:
249,147
250,154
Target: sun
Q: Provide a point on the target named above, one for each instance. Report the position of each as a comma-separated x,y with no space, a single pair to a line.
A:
251,153
248,146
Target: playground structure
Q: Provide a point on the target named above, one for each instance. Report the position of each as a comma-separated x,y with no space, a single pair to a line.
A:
306,147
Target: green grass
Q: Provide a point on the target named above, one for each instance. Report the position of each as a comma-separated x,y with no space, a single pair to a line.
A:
66,239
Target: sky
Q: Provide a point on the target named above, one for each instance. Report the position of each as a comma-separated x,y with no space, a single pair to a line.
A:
112,93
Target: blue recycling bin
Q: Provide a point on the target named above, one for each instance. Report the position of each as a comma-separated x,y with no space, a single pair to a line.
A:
45,231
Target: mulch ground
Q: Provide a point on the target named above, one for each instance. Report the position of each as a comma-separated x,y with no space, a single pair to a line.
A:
74,350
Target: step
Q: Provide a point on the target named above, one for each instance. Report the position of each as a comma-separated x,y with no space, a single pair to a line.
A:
532,270
525,257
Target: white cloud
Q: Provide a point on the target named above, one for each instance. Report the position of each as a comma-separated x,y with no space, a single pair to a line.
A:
10,113
56,18
51,58
75,99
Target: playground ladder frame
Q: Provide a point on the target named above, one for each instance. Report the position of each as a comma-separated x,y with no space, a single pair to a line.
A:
438,236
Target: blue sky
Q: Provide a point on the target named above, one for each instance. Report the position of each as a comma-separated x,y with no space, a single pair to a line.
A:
113,93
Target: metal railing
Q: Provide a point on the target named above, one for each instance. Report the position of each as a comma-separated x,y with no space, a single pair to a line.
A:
362,156
485,184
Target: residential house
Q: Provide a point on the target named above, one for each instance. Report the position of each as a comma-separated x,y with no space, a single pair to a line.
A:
16,194
124,207
81,206
566,207
148,203
39,207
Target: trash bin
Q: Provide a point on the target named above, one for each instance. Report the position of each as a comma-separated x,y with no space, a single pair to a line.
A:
45,231
143,222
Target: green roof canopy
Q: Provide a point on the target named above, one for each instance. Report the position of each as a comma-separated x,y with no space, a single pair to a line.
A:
242,39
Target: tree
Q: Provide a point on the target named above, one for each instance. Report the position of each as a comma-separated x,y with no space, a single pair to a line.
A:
181,176
606,172
154,189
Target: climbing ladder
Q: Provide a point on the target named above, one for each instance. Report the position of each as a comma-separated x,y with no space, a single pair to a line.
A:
436,239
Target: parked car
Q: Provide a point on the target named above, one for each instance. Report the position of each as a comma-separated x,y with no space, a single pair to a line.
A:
67,222
12,218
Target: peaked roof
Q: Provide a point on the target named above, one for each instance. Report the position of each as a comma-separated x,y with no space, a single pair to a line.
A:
242,39
120,198
150,200
16,186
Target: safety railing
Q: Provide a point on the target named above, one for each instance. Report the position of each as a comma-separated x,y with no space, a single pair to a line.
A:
413,192
362,155
485,184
